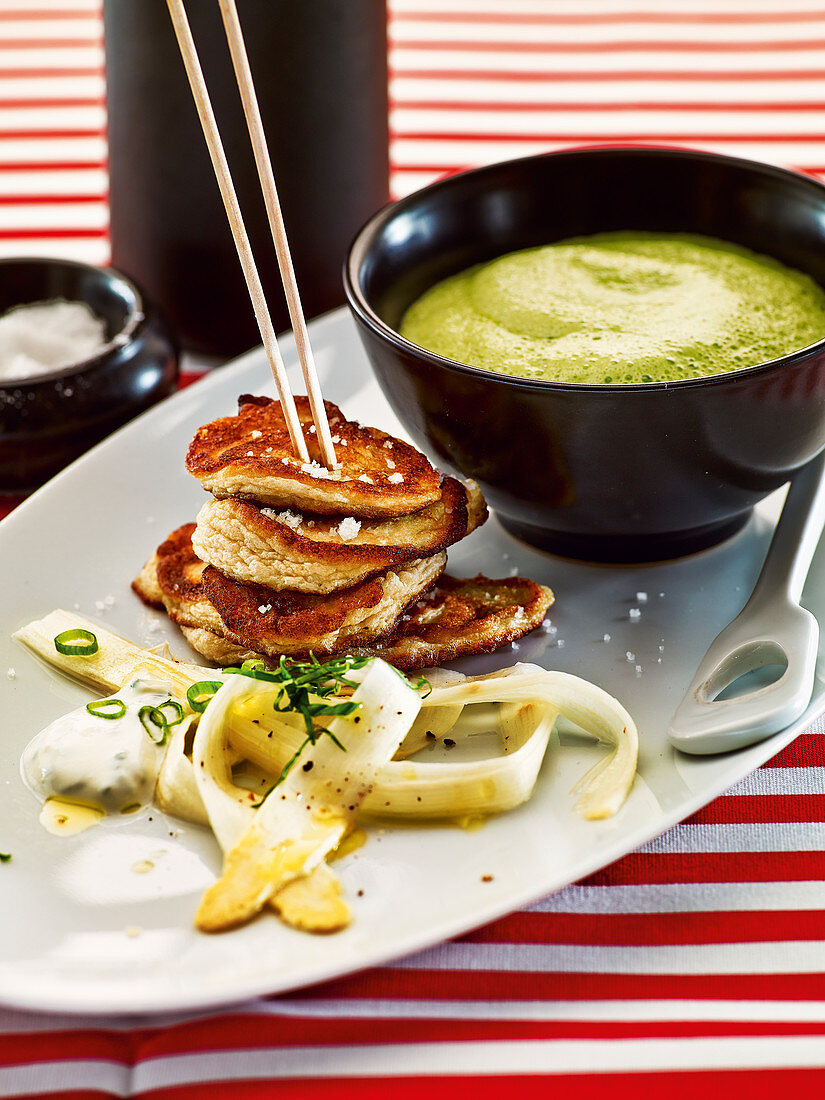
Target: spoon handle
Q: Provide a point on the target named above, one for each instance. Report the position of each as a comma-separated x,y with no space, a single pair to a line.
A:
796,537
771,629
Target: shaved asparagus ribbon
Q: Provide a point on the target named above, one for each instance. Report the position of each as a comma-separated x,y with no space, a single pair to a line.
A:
308,814
238,723
275,850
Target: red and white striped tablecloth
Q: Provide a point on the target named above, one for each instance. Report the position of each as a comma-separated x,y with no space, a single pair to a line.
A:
694,966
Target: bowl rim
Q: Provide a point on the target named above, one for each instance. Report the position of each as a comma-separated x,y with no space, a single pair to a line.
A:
364,311
117,343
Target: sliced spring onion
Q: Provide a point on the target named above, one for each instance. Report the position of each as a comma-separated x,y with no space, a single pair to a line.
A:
5,857
254,664
107,708
199,694
177,710
154,722
76,643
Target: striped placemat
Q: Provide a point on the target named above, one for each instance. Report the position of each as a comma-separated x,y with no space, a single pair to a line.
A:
53,181
475,81
694,965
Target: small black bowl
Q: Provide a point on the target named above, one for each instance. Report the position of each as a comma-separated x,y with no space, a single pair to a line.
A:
632,472
48,420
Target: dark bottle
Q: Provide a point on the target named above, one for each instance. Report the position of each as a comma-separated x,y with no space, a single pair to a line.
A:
320,71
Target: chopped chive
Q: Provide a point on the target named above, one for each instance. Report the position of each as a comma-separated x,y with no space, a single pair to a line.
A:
5,857
76,643
422,683
107,708
301,681
256,674
199,694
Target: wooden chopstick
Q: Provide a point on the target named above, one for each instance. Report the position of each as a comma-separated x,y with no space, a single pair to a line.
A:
243,75
233,213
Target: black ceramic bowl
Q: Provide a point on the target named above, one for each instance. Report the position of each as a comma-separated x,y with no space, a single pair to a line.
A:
614,473
48,420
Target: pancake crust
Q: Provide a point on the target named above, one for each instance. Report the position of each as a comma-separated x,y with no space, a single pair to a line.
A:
250,456
271,622
308,553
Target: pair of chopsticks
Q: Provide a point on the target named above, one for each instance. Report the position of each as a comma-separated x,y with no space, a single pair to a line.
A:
240,62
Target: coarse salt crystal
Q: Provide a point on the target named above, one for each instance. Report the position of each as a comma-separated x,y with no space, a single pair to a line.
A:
560,643
316,470
312,429
264,607
250,454
395,479
514,571
388,444
348,528
638,670
634,613
256,434
606,638
109,601
285,461
515,645
364,477
290,519
100,605
630,657
12,674
641,597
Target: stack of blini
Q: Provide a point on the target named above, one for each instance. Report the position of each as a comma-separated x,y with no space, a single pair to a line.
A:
290,558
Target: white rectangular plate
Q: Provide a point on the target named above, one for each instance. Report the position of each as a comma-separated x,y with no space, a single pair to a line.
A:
80,930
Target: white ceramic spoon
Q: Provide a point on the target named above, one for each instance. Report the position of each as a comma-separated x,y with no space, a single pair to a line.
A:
771,629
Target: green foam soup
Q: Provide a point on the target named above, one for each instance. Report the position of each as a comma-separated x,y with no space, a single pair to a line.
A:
620,307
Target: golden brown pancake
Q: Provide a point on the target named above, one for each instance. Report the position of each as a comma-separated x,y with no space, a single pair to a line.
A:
461,618
313,553
277,622
214,647
171,580
250,456
287,622
455,618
